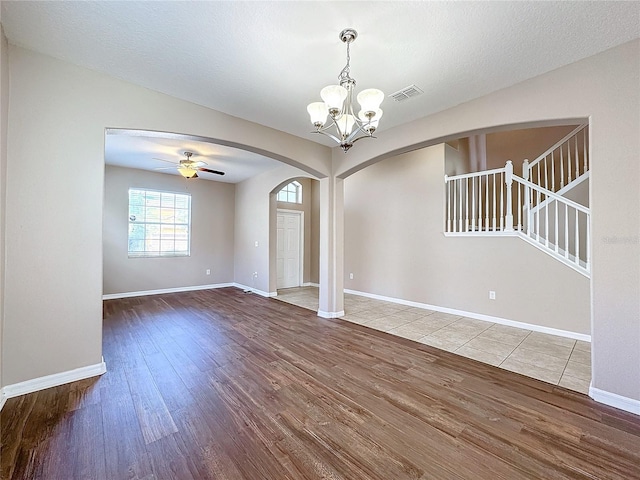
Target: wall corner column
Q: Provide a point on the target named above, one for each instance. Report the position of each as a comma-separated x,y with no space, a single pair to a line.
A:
331,247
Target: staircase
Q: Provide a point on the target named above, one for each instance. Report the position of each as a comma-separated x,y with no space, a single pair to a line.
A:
536,206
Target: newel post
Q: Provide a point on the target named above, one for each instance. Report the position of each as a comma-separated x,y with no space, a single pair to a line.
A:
508,180
526,174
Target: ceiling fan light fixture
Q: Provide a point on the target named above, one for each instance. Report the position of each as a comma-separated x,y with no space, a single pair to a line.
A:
344,127
189,168
188,172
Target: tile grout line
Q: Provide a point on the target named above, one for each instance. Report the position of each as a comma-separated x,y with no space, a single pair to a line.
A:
443,327
475,338
515,348
565,365
312,296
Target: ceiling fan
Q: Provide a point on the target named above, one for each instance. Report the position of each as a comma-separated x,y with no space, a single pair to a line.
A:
189,168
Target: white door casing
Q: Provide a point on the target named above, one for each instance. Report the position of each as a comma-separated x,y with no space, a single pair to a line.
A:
289,248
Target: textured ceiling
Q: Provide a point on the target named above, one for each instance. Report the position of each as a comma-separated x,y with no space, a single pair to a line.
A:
265,61
147,152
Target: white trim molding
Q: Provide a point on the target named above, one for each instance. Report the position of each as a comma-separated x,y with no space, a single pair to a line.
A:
53,380
247,289
310,284
323,314
615,400
142,293
478,316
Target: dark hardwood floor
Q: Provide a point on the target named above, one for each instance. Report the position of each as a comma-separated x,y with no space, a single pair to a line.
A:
220,384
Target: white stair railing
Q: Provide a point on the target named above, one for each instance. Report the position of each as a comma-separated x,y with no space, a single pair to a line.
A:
497,202
556,224
476,202
562,163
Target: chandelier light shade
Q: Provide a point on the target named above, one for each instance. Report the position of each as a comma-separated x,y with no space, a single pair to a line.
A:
370,100
344,126
318,112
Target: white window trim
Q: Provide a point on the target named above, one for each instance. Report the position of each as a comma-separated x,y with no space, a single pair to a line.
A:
160,254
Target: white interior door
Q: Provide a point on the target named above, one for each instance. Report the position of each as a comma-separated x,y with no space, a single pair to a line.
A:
289,228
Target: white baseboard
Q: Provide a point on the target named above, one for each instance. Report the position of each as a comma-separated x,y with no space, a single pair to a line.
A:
262,293
323,314
54,380
112,296
310,284
615,400
478,316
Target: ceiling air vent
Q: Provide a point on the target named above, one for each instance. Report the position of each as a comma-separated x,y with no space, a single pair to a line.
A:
406,93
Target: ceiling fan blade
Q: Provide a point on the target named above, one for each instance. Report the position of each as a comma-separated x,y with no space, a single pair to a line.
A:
164,168
163,160
210,171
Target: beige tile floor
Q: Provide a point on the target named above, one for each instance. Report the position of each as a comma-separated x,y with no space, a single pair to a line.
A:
557,360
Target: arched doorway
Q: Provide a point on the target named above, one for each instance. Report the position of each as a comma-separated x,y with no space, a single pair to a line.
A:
296,210
414,282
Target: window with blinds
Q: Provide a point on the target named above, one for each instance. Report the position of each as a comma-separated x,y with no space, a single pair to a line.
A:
159,223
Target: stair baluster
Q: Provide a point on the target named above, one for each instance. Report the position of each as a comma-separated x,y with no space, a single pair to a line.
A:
531,201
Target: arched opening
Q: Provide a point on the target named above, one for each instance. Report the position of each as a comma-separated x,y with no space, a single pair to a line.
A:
395,252
137,159
149,136
350,170
295,235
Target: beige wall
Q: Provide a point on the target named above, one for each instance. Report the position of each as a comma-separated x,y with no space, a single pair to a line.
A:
394,246
212,224
255,221
4,116
516,145
603,88
580,193
54,215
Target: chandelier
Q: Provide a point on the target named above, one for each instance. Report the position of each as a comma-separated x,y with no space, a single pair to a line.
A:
344,126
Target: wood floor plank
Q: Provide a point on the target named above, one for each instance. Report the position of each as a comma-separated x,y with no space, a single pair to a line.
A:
224,385
153,415
87,442
83,394
125,452
43,447
13,419
202,445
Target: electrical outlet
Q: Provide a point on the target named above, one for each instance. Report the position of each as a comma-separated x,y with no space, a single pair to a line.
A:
492,295
208,271
256,243
351,276
255,274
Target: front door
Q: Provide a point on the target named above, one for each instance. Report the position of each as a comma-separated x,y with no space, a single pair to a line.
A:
289,228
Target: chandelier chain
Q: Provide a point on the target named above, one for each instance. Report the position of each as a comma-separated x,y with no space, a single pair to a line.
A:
344,74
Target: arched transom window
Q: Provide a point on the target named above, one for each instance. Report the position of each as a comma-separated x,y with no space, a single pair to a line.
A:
291,193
